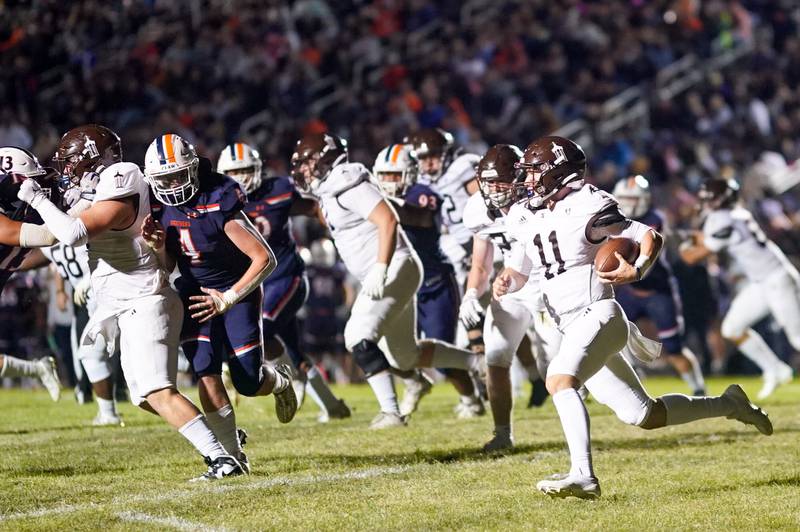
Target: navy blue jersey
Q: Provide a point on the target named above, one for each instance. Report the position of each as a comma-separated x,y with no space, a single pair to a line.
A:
325,295
195,233
14,209
269,208
425,240
658,279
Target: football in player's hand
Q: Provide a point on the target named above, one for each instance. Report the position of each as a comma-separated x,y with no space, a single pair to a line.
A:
606,261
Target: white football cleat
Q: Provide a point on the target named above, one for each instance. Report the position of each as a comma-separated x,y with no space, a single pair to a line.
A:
745,411
773,379
386,420
48,375
469,407
416,388
103,420
285,400
299,386
499,443
224,466
561,486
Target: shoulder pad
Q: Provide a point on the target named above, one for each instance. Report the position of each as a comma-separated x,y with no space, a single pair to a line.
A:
717,220
231,196
120,180
476,215
462,169
343,177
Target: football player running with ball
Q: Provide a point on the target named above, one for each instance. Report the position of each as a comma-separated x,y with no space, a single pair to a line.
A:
222,260
563,224
270,203
381,331
135,304
774,283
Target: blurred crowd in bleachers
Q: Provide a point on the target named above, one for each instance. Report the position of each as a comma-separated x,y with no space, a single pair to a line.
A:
265,71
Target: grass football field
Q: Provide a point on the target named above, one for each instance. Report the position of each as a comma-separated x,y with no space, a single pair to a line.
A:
59,473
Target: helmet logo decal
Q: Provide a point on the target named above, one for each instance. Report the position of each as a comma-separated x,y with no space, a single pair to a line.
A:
330,142
90,147
558,153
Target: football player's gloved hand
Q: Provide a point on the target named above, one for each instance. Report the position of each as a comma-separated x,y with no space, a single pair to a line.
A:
471,312
88,185
81,292
31,193
373,283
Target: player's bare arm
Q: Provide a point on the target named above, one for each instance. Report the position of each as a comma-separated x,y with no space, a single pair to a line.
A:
650,247
33,261
694,250
509,280
262,261
384,218
481,266
9,231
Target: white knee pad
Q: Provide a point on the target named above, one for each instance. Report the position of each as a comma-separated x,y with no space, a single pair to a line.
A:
96,369
636,414
732,328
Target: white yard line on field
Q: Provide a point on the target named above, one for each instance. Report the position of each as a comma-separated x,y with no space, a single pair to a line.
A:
214,488
170,521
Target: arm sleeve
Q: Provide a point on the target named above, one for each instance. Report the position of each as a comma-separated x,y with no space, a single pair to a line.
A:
611,222
361,199
35,236
66,229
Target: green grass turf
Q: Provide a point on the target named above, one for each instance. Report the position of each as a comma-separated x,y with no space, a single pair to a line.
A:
59,473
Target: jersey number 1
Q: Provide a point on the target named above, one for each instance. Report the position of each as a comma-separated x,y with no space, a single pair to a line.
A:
188,247
556,253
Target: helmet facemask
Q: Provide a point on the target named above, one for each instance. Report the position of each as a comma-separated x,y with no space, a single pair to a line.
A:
175,187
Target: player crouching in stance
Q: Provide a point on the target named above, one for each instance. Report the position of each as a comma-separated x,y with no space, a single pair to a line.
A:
563,225
774,283
419,209
20,231
365,230
270,204
134,302
222,260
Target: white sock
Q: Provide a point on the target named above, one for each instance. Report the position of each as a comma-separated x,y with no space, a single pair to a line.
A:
223,424
199,435
383,387
16,367
575,422
757,350
697,372
683,409
450,356
107,407
319,391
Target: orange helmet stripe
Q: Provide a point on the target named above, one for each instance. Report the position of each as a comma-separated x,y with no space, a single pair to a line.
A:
239,151
169,147
396,152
